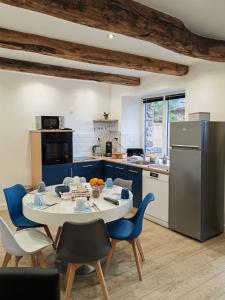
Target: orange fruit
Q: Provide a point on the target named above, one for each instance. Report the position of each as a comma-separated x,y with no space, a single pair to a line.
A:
100,182
94,181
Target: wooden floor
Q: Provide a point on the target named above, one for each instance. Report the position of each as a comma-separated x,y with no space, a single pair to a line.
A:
176,268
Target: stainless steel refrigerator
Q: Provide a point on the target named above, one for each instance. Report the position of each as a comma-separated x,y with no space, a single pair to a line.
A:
196,184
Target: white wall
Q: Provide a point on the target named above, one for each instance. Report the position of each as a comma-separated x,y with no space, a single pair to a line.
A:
23,96
131,122
205,90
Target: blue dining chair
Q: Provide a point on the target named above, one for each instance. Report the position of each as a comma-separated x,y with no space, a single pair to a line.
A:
129,230
14,196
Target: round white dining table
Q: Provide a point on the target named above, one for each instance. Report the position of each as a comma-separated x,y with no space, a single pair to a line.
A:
63,211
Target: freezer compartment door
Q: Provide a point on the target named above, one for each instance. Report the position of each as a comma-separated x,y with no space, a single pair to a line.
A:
187,134
185,210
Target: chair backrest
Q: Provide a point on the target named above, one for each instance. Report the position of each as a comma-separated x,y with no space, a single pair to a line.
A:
83,242
123,183
139,216
8,241
14,196
29,283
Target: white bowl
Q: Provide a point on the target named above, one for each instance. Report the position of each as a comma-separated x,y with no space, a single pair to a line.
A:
66,196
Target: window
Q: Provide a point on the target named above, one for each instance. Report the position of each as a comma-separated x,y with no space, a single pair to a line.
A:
159,113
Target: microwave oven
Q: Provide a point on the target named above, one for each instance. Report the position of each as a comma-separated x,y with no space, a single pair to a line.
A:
50,122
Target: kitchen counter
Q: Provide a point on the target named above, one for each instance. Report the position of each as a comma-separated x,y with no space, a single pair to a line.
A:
123,161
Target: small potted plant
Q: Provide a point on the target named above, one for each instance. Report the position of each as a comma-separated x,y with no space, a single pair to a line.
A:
106,116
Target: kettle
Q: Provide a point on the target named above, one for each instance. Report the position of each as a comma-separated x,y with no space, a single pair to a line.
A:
96,150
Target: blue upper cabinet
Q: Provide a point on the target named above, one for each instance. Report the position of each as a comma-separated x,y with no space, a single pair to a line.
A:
54,174
135,174
89,169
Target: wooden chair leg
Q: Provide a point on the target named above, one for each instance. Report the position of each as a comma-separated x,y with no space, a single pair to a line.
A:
134,246
101,279
6,259
17,259
41,260
109,257
58,236
140,249
33,260
50,236
71,269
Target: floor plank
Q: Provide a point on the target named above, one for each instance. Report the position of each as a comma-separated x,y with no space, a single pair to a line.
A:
176,267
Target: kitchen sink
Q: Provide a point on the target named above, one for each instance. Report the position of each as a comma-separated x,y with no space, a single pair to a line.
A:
150,165
141,162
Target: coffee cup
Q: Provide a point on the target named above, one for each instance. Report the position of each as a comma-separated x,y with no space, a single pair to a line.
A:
76,181
38,199
41,187
109,183
80,203
125,193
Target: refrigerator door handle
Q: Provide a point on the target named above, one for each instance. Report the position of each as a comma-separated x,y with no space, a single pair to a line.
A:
185,146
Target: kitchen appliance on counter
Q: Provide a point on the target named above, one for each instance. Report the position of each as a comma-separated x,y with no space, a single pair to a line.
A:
108,149
158,184
50,122
196,185
134,151
57,147
96,150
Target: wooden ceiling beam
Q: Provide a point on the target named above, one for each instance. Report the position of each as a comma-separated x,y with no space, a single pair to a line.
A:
132,19
63,72
73,51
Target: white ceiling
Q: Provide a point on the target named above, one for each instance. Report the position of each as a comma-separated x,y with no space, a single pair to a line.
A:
198,15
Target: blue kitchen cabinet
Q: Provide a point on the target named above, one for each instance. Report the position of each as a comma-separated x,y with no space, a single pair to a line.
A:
115,170
109,170
54,174
135,174
89,169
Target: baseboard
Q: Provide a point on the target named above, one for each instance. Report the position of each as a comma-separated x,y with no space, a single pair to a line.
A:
156,220
3,206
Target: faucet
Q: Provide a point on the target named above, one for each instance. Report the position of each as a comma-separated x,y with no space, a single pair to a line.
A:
143,156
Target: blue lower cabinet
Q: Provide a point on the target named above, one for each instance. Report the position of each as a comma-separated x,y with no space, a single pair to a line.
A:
54,174
89,169
109,170
115,170
135,174
120,171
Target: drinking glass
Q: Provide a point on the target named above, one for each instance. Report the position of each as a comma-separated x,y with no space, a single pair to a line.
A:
109,183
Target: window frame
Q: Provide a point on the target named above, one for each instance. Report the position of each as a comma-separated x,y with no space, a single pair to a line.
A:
165,120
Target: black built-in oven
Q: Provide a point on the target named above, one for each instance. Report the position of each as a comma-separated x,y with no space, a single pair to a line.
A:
57,147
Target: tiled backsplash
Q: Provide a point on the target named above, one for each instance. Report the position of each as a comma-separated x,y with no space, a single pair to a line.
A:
132,140
83,142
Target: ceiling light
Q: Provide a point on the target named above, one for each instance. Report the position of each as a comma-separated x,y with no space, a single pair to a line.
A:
111,36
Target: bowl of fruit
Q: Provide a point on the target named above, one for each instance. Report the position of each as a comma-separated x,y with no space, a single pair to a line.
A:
97,183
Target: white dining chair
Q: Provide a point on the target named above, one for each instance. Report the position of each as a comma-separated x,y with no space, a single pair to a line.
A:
123,183
24,242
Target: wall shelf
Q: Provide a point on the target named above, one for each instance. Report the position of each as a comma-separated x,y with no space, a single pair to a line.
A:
105,125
